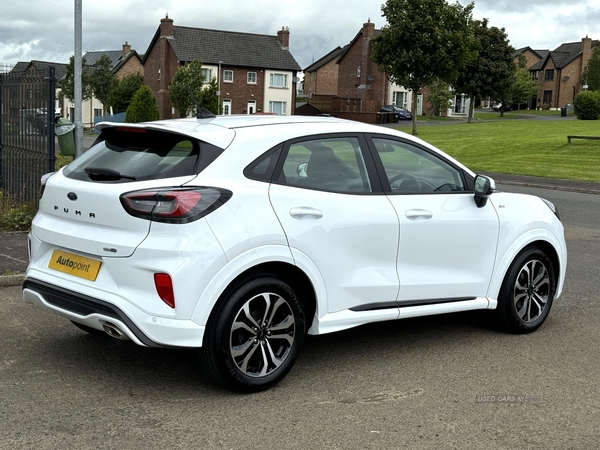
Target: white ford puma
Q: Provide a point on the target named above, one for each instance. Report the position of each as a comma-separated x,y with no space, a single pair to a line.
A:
238,235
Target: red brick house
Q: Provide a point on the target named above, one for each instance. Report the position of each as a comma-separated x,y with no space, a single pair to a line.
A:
123,62
559,72
255,72
321,77
361,88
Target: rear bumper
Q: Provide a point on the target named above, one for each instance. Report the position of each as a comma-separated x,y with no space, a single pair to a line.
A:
143,329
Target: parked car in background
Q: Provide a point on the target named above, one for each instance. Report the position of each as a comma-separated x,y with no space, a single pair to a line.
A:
497,106
238,235
401,113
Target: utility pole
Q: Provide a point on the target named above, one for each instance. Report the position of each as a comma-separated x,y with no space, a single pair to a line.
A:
78,131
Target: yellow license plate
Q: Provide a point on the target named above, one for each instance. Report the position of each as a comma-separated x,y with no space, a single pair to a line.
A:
77,266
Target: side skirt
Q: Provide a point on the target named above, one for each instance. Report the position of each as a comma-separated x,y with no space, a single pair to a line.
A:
349,318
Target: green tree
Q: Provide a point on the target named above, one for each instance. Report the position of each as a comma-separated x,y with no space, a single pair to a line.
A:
423,41
523,88
67,86
143,107
210,99
591,72
439,97
490,72
187,77
124,90
103,80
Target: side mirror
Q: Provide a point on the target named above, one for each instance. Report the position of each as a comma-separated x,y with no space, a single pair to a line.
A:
484,186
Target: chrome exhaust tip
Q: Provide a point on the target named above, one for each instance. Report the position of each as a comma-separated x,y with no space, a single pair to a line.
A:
114,331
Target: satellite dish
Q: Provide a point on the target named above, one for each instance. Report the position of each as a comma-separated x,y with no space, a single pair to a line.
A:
566,78
295,79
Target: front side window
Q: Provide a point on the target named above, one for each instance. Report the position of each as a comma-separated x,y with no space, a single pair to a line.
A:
327,164
228,76
412,170
278,80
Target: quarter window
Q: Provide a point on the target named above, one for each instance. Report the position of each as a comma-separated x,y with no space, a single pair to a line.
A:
412,170
328,164
278,80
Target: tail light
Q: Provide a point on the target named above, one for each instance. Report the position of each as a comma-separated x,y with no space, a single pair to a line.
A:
174,205
164,287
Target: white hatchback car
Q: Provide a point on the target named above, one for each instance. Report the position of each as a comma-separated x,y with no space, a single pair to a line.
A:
238,235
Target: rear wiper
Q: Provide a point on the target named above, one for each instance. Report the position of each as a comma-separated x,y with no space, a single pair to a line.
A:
98,173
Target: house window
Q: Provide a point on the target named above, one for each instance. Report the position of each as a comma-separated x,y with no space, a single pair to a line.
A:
207,74
97,112
252,78
548,97
278,80
159,73
277,108
535,74
357,71
401,99
228,76
226,107
549,74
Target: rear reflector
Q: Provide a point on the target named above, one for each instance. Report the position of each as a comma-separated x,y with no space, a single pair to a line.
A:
164,287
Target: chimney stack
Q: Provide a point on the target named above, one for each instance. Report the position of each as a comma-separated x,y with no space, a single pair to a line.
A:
126,49
284,37
586,51
166,27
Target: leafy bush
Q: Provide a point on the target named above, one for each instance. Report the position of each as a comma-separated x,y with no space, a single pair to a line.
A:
143,107
587,105
15,217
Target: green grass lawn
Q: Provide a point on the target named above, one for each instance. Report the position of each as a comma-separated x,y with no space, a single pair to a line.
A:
523,147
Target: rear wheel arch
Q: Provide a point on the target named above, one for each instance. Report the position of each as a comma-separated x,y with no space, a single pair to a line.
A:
257,328
290,274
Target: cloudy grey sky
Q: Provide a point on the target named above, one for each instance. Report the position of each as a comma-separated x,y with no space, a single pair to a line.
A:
43,30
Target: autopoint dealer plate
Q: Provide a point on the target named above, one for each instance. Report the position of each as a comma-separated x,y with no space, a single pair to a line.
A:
75,265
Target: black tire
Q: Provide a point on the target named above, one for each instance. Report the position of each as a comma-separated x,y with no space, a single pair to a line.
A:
527,292
89,330
254,335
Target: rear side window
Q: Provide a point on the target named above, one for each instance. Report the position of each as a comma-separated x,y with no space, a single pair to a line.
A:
124,154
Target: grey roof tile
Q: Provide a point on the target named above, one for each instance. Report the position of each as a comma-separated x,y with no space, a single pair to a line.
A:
231,48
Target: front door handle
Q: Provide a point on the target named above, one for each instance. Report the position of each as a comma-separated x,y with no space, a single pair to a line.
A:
305,211
418,214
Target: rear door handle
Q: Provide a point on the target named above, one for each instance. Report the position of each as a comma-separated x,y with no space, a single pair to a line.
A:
418,214
304,211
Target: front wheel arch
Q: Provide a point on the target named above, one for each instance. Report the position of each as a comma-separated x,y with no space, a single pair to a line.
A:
527,291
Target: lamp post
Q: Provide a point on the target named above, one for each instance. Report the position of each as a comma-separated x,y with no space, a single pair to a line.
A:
219,89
